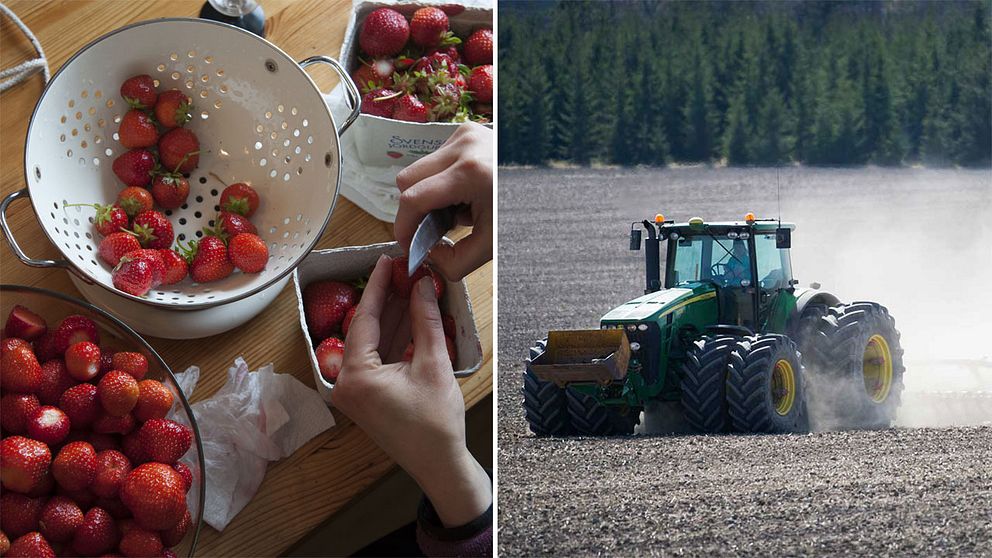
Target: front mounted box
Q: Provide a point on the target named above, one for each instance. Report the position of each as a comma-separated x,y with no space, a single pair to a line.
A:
384,142
350,263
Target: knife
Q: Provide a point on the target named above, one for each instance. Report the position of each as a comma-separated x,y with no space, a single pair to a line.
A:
429,232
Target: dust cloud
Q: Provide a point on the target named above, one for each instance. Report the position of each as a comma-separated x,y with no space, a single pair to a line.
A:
925,252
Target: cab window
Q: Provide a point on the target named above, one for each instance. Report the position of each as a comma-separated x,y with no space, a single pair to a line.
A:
774,267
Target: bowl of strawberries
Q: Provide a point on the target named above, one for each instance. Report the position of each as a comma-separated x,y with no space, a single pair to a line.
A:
100,452
422,70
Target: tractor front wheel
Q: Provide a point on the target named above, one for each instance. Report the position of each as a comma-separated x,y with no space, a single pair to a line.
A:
765,387
545,404
592,418
704,383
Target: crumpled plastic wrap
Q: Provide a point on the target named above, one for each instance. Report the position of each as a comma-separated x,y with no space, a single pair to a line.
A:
256,417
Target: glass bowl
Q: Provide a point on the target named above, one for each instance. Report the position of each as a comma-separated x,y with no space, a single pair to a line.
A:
114,334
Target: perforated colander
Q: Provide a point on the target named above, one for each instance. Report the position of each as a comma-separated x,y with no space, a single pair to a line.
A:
259,117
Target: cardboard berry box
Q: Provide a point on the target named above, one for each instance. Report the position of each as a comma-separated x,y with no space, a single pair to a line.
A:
352,262
383,142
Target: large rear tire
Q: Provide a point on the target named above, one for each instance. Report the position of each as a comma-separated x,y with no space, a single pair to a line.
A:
765,388
545,404
857,351
704,383
589,417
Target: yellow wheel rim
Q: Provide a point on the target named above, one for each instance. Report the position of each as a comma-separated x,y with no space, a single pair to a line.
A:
783,387
877,368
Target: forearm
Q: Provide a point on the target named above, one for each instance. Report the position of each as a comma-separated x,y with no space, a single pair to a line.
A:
459,489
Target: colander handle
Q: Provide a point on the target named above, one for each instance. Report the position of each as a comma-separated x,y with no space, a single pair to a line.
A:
354,99
10,237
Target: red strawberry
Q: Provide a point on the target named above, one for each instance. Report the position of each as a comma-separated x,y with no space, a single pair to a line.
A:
133,363
165,440
72,330
102,442
109,218
75,466
24,324
112,468
97,534
176,268
11,343
173,536
346,322
380,102
139,91
137,130
478,48
179,150
85,498
131,447
109,424
330,353
410,109
31,545
134,277
173,109
44,347
185,473
480,83
19,368
155,494
19,513
325,303
23,463
428,27
134,168
233,224
170,190
153,229
449,325
48,425
59,519
450,50
248,253
374,75
239,198
384,33
439,283
118,392
115,508
81,404
139,543
106,359
408,353
134,200
4,543
15,410
402,284
154,401
154,258
82,360
208,260
115,245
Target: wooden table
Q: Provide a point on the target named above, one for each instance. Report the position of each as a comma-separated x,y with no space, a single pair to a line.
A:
303,490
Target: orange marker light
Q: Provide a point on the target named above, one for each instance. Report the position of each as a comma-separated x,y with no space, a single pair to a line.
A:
659,218
749,218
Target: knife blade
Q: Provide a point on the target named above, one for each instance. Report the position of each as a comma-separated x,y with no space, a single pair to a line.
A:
429,232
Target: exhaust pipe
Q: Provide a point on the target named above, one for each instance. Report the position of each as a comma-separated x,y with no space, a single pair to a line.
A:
652,255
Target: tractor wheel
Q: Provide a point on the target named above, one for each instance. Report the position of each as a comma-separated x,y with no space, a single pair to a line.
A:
857,351
806,328
765,389
592,418
545,404
704,383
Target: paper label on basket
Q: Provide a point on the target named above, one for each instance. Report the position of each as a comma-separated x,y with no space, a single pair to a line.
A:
256,417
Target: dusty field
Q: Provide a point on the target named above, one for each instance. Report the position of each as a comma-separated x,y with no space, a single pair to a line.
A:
916,240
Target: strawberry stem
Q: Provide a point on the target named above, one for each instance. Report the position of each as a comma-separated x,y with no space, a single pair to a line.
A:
184,159
217,178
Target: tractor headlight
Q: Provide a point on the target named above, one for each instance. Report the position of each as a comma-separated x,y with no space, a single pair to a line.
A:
635,346
643,327
631,327
604,326
745,235
674,236
745,283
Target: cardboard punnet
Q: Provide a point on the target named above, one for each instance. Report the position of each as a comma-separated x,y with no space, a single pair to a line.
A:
384,141
350,263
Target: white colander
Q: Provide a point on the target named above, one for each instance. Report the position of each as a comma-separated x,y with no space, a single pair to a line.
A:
259,117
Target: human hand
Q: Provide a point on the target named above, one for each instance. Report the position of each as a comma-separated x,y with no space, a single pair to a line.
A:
413,410
459,173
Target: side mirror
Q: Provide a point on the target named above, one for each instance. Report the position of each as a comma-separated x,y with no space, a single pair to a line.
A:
783,238
635,239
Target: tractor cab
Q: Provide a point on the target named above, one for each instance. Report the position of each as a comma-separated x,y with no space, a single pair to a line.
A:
747,263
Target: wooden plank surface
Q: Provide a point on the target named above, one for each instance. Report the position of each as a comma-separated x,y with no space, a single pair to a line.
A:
303,490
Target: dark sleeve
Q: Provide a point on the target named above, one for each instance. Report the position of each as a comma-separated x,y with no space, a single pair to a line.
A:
475,538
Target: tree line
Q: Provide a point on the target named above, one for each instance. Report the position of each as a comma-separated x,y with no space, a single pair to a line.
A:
746,83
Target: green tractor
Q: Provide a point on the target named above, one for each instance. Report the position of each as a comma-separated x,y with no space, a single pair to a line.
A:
729,335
